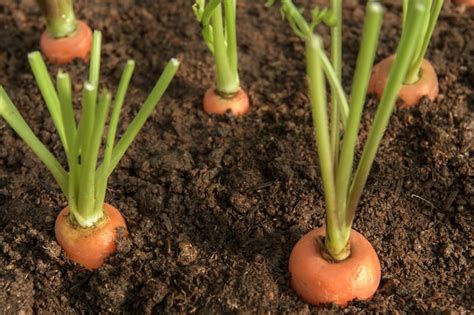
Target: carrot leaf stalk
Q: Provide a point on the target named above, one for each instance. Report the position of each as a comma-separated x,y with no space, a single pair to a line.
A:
59,15
220,34
85,182
342,186
425,32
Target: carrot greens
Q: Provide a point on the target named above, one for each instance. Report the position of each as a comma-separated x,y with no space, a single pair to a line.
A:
84,183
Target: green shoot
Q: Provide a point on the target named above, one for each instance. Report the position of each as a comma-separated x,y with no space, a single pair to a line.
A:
85,182
425,32
221,38
342,187
59,14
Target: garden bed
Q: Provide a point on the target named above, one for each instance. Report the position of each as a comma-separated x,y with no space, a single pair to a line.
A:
215,204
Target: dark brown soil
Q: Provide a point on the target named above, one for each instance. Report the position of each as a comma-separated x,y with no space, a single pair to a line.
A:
215,204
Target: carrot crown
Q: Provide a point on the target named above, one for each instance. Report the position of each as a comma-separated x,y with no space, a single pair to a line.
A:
222,41
343,187
85,182
424,33
59,15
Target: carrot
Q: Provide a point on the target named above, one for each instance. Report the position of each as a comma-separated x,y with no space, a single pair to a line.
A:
421,79
65,38
222,42
343,266
65,49
89,247
87,227
410,94
214,103
318,281
466,3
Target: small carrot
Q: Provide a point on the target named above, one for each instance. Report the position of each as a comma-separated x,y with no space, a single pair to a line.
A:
335,264
89,247
65,38
222,42
87,228
421,79
410,94
319,281
237,104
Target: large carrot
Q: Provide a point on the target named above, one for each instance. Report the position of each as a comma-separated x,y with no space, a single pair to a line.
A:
88,228
221,38
335,264
65,38
421,79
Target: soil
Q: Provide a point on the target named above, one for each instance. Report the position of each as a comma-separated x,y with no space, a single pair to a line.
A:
215,204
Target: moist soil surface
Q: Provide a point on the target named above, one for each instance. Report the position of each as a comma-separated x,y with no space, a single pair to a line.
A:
214,205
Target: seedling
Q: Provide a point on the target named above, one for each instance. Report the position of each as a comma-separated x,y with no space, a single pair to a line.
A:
335,263
421,79
86,229
65,38
221,38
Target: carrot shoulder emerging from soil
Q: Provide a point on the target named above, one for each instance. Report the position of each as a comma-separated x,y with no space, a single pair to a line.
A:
214,103
410,94
63,50
319,281
89,247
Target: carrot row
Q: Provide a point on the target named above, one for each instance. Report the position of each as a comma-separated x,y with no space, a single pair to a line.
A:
330,264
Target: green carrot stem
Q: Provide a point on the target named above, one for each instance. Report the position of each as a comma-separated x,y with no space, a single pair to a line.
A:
85,135
230,7
297,22
317,93
99,125
94,67
405,12
414,69
64,88
9,112
302,29
85,198
59,15
226,82
365,60
397,74
336,87
208,10
142,116
101,181
49,94
336,60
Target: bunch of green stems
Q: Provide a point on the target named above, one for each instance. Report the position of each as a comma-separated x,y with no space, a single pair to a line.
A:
221,40
59,15
85,182
428,23
343,187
